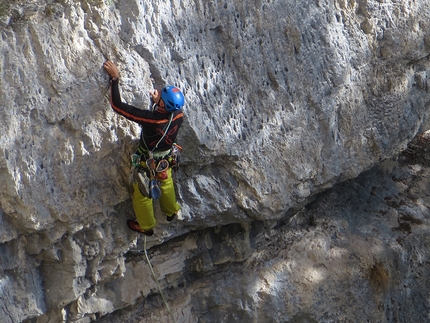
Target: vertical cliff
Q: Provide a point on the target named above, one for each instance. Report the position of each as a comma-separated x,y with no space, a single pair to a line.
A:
284,100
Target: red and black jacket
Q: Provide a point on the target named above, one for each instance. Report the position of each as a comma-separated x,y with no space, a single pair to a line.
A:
153,123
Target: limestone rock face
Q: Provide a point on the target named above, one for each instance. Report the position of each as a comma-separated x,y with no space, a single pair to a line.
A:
283,101
357,253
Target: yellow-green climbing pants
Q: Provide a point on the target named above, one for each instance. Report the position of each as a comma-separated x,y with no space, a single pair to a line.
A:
144,209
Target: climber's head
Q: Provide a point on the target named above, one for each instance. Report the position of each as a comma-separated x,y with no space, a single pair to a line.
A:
173,98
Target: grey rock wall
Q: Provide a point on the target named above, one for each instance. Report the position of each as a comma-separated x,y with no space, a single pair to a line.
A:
284,100
359,252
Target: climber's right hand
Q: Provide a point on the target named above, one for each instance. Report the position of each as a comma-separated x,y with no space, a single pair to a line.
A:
111,68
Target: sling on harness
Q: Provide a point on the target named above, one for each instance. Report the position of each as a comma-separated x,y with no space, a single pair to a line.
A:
156,168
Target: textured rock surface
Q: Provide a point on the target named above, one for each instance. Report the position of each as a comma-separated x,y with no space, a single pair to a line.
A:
284,100
358,253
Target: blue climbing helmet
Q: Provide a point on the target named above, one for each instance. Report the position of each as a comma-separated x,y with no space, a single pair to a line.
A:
173,98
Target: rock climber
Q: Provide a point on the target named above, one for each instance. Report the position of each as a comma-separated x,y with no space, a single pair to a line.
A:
160,126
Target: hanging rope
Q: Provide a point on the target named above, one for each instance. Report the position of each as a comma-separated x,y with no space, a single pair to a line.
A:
156,281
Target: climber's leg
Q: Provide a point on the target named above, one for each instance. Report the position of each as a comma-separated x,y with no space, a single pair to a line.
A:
168,203
143,209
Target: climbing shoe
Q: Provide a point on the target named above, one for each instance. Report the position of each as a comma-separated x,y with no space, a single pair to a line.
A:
171,218
134,226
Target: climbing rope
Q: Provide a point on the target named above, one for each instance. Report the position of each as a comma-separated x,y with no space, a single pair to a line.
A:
156,281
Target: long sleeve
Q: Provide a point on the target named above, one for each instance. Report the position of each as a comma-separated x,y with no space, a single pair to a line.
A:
155,125
128,111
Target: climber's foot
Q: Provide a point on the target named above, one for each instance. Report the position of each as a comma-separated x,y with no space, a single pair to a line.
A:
134,225
171,218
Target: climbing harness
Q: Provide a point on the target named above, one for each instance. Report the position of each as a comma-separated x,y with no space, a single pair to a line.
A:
172,156
146,177
154,169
